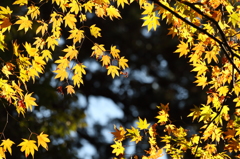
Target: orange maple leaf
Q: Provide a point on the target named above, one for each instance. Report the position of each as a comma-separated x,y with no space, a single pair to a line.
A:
119,134
230,134
115,52
70,20
70,89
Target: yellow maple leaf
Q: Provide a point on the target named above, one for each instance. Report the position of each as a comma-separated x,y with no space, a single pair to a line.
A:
88,6
195,112
29,101
95,31
30,50
105,60
16,50
70,89
201,81
98,50
113,70
42,140
148,8
234,18
56,19
61,73
33,11
163,117
182,49
152,141
118,148
142,124
206,112
134,134
237,87
28,146
113,12
2,42
74,5
70,20
5,11
237,132
211,55
195,139
24,23
7,144
39,42
71,52
237,100
46,54
42,28
6,71
151,21
123,62
20,2
115,52
2,153
223,90
63,62
121,2
76,35
77,80
51,41
200,68
79,69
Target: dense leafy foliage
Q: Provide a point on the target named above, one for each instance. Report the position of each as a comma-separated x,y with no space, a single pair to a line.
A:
209,38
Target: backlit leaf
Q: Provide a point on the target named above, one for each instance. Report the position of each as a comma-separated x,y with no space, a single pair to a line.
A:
113,12
142,124
123,63
118,148
95,31
7,144
113,70
70,89
119,134
106,60
29,101
43,140
24,23
29,147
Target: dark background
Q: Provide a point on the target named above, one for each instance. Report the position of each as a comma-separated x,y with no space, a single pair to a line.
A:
156,75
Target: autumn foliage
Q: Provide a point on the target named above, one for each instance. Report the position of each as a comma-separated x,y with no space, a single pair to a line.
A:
208,33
